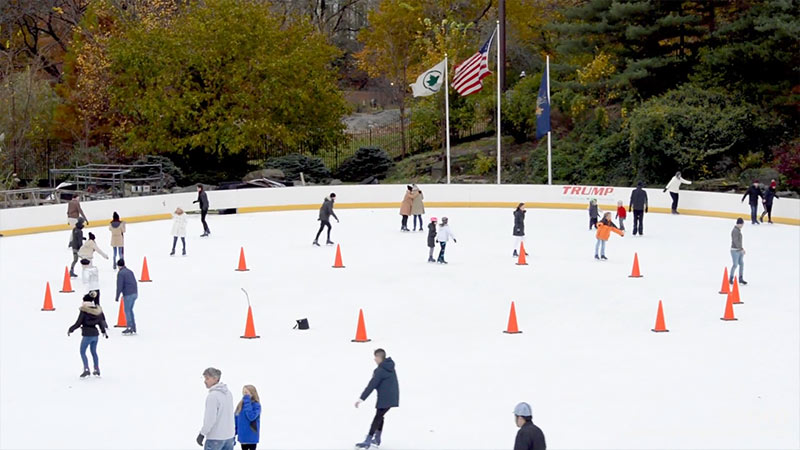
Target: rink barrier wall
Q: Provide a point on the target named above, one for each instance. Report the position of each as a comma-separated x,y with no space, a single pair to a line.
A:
45,218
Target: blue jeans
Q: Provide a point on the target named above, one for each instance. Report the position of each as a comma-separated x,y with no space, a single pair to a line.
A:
601,245
738,260
226,444
754,213
441,251
130,300
91,342
121,251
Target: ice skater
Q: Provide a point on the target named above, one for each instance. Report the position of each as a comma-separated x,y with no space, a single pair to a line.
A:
325,213
89,248
442,236
754,193
74,211
769,196
431,239
219,426
117,229
75,244
529,436
384,380
519,228
417,207
621,215
126,286
90,317
405,208
593,213
90,277
178,230
638,205
248,418
737,251
674,188
202,199
604,229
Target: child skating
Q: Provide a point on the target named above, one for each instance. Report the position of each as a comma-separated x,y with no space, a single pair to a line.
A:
622,213
604,229
431,239
442,236
178,230
593,213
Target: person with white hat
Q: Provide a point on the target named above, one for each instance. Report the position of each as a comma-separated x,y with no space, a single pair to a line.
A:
529,436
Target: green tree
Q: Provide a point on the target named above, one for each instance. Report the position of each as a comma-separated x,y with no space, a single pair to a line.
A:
225,79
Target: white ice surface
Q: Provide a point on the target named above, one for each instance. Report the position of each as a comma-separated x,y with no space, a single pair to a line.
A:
587,362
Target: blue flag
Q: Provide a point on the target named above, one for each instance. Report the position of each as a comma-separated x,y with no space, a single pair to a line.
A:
542,109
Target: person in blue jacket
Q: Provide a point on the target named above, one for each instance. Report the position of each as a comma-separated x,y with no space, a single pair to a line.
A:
248,418
384,380
126,286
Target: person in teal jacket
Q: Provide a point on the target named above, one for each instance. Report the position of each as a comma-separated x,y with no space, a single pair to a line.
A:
248,418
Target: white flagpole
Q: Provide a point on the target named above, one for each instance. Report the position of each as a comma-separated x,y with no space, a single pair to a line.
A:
499,71
549,150
447,116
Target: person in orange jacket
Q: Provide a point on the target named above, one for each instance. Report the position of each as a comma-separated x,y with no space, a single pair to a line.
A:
604,229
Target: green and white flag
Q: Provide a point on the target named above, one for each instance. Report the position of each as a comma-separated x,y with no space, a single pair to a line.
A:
430,82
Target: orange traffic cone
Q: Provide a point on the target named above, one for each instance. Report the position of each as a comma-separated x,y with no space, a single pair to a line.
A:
249,328
635,271
729,308
67,287
121,322
660,326
725,286
242,262
145,272
735,293
512,321
522,261
48,299
361,331
337,264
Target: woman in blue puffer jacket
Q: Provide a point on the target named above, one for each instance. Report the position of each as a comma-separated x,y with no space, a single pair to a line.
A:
248,418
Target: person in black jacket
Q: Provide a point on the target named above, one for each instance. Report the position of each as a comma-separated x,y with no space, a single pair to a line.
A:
325,213
431,239
638,205
754,192
90,317
202,198
769,196
519,228
529,436
75,244
384,380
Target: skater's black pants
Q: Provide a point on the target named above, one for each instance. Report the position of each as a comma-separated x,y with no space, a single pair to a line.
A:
592,222
417,216
767,211
674,196
638,222
74,261
175,241
203,213
404,223
377,422
754,213
323,224
249,446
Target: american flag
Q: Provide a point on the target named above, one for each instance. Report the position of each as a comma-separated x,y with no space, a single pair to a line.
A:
470,73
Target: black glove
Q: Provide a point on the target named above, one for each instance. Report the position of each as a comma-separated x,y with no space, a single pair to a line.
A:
455,241
337,220
665,190
645,209
69,332
105,335
116,299
200,440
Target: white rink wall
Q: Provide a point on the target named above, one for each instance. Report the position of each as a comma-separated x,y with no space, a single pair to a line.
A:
136,209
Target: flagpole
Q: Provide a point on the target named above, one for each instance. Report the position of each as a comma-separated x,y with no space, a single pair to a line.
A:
549,150
499,71
447,116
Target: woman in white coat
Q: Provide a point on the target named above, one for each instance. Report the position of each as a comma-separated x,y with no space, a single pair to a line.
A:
178,230
674,186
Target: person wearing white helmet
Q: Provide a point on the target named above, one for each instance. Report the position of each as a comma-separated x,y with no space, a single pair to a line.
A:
529,436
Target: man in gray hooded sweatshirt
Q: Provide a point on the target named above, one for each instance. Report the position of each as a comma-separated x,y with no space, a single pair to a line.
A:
219,428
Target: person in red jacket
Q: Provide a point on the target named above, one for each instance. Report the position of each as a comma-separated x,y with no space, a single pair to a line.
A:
621,215
604,229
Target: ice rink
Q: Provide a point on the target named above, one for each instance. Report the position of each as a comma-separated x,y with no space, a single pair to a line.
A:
587,362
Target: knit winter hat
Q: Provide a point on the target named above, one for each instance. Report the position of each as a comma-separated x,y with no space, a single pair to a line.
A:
433,219
91,236
115,216
739,221
444,220
639,184
773,184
